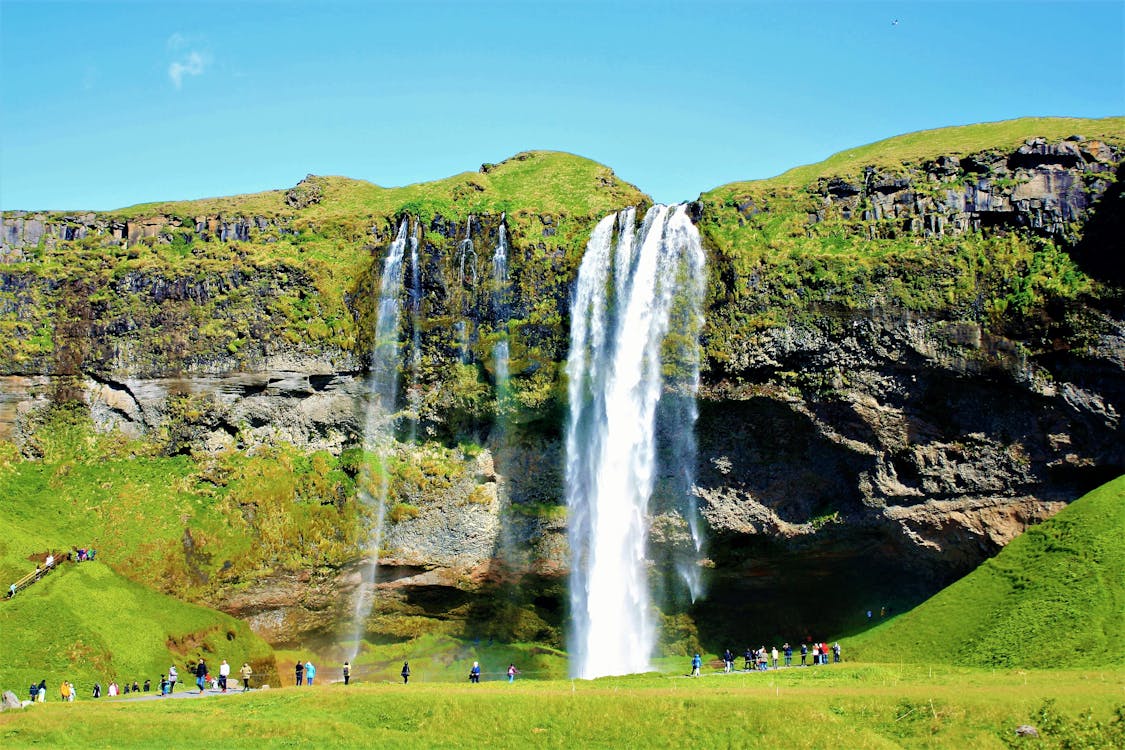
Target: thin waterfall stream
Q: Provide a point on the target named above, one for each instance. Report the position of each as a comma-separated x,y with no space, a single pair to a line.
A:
379,424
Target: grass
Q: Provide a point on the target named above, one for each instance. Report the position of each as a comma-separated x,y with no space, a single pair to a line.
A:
1053,597
854,706
914,148
543,181
87,623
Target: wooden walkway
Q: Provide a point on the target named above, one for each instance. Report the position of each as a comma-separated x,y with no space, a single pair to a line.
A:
31,578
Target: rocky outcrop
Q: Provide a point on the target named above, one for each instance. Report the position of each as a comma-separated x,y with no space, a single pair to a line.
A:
1041,186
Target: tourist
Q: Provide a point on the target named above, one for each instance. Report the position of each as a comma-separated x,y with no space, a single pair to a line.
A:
836,652
310,673
64,690
136,687
32,691
788,654
41,693
126,690
97,690
299,670
728,661
405,672
347,672
512,672
112,690
774,652
474,673
11,591
246,671
148,685
201,674
173,675
696,663
50,561
224,673
163,686
804,654
747,659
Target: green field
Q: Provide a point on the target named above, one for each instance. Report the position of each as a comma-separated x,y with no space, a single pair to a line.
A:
847,706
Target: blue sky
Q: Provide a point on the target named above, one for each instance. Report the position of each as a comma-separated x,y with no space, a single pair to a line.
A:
104,104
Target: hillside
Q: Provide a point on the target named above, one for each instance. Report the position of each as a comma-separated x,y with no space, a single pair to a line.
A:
1053,597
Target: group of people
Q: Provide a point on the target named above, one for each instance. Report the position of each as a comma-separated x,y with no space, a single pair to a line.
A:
204,679
167,685
760,659
307,672
49,564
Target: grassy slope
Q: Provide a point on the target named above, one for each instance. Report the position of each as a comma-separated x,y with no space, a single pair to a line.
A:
1054,597
87,623
914,148
546,181
90,622
847,706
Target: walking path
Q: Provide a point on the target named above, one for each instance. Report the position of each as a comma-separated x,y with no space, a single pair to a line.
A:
180,694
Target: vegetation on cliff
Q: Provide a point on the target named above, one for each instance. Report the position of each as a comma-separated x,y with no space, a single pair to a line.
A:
952,223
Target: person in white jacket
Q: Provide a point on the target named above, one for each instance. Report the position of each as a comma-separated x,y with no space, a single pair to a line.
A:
224,673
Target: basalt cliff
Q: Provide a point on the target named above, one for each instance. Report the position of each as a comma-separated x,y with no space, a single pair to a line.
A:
911,352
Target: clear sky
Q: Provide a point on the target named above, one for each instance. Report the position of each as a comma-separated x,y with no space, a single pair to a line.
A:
105,104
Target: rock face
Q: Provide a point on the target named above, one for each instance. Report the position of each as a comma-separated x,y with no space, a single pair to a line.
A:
857,450
1042,186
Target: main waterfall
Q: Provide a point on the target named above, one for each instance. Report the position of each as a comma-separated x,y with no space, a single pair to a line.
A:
379,427
635,287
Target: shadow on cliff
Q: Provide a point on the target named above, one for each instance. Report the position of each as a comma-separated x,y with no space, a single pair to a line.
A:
1099,252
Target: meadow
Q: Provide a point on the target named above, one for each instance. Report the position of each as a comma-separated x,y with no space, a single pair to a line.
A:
846,705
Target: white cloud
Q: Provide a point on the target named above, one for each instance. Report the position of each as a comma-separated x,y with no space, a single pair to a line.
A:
191,64
177,41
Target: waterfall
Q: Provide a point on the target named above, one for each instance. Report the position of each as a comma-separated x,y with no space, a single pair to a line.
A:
379,425
414,395
467,256
500,309
631,293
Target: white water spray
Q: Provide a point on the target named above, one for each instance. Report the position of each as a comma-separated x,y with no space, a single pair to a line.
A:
623,304
500,309
379,427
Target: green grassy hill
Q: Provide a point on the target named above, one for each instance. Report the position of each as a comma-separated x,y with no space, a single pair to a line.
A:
961,140
541,181
1054,597
86,623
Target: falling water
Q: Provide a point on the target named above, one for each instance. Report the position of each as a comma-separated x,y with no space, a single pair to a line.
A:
623,307
466,256
379,427
414,393
500,308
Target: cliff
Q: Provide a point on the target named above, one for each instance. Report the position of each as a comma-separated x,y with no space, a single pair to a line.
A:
912,352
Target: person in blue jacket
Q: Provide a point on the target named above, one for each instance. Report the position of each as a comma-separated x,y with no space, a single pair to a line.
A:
696,663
